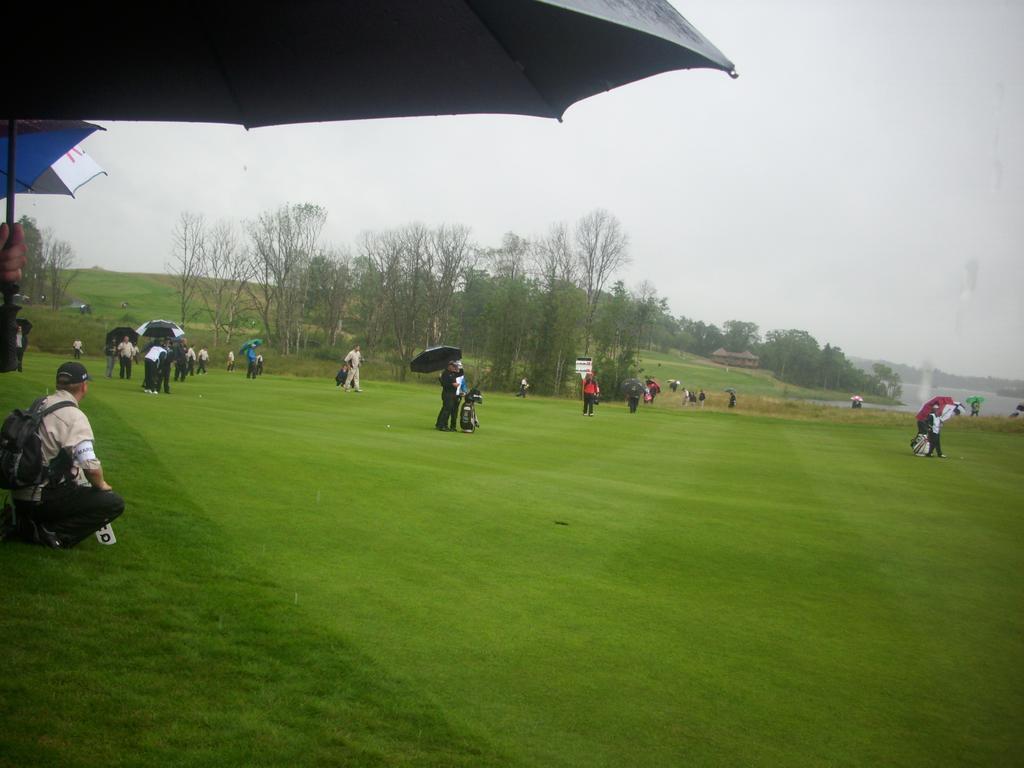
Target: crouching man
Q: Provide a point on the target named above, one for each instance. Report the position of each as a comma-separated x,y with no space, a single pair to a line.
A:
76,501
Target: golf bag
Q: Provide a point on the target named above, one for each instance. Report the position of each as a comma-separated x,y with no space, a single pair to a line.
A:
468,421
920,445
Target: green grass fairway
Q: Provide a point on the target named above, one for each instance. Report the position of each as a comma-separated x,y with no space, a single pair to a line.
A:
297,584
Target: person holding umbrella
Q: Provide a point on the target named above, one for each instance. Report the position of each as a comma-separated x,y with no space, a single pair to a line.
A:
449,395
634,390
14,253
938,415
250,355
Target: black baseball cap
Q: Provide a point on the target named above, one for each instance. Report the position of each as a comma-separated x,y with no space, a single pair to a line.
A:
72,373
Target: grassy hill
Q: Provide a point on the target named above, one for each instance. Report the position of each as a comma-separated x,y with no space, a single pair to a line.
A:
306,577
150,296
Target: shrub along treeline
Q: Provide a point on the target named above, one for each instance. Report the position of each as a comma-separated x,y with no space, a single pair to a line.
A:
529,307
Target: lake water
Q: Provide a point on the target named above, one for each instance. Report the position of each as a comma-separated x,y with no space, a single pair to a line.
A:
915,395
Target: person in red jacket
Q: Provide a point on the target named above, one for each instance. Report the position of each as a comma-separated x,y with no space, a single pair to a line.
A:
590,392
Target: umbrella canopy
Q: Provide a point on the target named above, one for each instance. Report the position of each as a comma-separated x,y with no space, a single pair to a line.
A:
270,63
975,399
250,343
632,387
39,144
160,329
72,171
857,399
730,389
940,400
28,148
116,334
434,359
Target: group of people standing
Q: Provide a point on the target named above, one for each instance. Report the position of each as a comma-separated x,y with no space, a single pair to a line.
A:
163,356
693,398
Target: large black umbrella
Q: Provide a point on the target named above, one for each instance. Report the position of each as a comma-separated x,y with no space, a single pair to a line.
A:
267,62
434,359
160,329
632,388
114,336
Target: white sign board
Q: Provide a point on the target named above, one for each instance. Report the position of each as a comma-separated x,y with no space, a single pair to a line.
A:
584,365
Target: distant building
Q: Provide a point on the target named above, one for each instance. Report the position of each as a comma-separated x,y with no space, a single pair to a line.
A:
736,359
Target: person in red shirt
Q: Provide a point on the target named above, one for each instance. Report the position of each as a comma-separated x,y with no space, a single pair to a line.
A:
590,392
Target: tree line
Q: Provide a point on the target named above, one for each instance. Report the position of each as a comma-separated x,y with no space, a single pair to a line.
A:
528,306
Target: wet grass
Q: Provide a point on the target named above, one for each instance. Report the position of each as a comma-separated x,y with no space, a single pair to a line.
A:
307,577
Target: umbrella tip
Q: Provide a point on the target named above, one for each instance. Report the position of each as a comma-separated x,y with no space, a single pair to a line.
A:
734,74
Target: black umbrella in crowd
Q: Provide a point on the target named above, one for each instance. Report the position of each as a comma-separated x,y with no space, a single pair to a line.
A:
434,359
160,329
266,62
632,388
114,336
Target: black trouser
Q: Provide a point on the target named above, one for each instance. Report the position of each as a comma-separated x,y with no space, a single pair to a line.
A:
933,444
126,368
151,377
180,371
633,403
588,404
448,410
250,372
163,374
68,515
454,422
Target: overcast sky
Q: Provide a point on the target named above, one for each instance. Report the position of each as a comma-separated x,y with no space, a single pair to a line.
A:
862,180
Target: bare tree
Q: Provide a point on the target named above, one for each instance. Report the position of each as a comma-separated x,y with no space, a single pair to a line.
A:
188,258
399,259
601,249
331,286
510,259
57,260
448,254
227,270
283,245
553,256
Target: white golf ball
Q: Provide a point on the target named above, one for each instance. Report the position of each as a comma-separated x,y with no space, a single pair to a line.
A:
389,426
